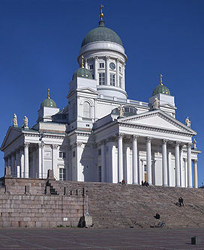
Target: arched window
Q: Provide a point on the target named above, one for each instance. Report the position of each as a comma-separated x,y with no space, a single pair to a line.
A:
87,110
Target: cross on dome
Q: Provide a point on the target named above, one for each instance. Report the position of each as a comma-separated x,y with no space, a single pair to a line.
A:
101,15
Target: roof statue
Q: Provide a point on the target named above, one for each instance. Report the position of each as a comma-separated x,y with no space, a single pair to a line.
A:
15,123
25,122
188,122
121,109
156,103
194,144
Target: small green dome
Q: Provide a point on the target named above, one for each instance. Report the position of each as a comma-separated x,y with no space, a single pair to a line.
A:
161,89
82,72
48,102
101,33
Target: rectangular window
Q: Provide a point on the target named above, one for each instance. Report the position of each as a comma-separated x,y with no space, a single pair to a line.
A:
62,174
101,65
91,66
73,154
62,155
112,79
120,69
120,81
101,78
99,152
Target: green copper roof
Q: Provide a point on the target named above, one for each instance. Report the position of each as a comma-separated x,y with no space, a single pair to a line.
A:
82,72
48,103
161,89
101,33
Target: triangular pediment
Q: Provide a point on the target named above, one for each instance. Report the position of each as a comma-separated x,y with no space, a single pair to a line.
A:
11,135
158,120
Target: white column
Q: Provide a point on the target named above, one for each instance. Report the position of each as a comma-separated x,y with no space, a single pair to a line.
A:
107,71
18,168
195,173
80,167
177,165
128,166
182,167
68,166
120,157
149,160
117,73
169,169
26,159
123,81
39,161
186,173
96,69
135,159
189,167
55,154
22,163
164,163
103,161
113,164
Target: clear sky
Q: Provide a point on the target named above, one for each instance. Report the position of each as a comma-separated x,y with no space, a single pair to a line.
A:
40,42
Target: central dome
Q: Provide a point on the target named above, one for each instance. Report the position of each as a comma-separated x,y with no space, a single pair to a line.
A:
101,33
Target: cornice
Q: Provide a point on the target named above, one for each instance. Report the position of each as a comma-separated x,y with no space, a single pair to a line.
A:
143,127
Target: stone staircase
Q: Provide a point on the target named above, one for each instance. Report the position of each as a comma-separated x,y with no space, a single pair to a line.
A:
134,206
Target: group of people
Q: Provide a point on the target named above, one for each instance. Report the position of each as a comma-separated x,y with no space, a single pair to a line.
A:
145,183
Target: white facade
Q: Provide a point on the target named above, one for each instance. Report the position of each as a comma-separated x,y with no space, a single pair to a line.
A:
103,136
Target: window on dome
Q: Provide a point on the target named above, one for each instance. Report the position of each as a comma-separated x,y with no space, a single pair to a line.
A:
101,78
112,79
120,81
120,69
101,65
91,66
62,155
87,110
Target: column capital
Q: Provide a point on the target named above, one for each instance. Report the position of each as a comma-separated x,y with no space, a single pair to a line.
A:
95,57
195,160
177,143
164,141
120,135
148,139
135,137
26,144
54,146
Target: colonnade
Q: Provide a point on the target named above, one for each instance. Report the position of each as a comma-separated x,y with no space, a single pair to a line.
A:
117,173
19,161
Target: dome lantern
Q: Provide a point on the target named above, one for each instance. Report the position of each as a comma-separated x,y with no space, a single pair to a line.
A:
49,103
161,89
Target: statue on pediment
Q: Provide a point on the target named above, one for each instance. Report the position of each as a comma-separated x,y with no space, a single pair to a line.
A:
15,123
188,122
156,103
122,110
25,121
194,144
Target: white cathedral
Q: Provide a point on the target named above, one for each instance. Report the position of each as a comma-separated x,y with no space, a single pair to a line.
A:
101,135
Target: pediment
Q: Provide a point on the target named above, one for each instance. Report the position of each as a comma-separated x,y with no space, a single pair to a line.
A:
158,120
11,135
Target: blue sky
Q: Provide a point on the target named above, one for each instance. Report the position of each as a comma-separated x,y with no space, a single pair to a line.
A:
40,42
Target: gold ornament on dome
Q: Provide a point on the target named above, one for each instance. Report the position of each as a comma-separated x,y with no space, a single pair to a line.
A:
101,15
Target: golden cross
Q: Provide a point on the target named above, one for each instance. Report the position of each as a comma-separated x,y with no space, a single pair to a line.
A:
161,79
101,14
48,94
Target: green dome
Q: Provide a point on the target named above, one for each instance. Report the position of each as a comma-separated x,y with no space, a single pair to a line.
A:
48,103
161,89
82,72
101,33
